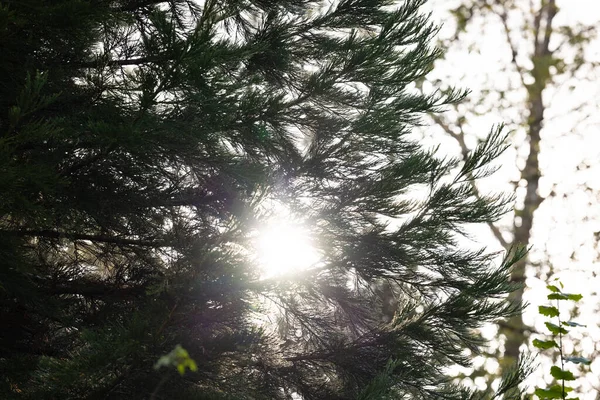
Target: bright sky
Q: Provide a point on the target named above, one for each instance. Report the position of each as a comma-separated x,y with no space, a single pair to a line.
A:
565,224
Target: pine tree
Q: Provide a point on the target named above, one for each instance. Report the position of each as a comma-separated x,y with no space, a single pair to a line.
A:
142,144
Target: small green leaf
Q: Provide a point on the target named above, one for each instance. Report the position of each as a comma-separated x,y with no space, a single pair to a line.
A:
179,358
572,323
544,344
192,365
555,329
548,311
578,360
573,296
553,288
558,296
555,392
560,374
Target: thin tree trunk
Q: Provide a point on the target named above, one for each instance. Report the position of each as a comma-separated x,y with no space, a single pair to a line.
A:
514,329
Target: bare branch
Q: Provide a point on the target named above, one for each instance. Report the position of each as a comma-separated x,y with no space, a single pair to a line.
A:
513,47
551,13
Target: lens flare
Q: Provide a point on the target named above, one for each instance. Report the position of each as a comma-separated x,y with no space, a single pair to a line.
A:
285,247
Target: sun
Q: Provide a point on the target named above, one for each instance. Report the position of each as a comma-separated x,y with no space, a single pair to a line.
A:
285,247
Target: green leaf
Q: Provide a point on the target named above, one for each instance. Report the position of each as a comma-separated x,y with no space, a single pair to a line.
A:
565,296
558,296
572,323
192,365
548,311
555,329
554,392
179,358
553,288
561,374
574,296
544,344
578,360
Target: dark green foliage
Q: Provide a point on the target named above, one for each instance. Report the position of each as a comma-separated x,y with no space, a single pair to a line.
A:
140,141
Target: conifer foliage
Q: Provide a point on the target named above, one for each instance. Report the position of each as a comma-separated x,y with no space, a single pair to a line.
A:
142,142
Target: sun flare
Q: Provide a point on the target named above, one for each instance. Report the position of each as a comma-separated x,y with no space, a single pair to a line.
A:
285,247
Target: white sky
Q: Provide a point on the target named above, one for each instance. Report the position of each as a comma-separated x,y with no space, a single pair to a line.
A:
564,225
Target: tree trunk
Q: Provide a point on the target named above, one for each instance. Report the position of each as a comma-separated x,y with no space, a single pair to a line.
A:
514,330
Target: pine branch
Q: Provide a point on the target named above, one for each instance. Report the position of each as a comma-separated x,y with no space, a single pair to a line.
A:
124,62
460,138
80,236
137,4
96,289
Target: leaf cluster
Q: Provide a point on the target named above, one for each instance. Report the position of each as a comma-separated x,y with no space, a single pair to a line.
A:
558,332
